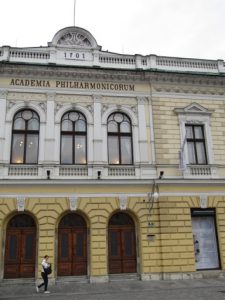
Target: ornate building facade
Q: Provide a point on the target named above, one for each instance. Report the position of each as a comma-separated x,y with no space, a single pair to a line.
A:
112,164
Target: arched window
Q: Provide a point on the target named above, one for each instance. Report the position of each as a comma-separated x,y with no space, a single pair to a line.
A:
73,138
25,137
119,139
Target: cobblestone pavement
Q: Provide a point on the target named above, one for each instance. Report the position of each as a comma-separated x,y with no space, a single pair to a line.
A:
204,289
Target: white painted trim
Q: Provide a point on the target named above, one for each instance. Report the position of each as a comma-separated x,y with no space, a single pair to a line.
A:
23,105
113,195
123,109
69,107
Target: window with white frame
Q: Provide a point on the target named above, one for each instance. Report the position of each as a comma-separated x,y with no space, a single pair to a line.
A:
120,150
196,141
73,138
196,147
25,137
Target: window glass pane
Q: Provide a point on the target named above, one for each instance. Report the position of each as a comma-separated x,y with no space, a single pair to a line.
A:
21,221
121,219
112,126
65,245
33,124
113,147
113,243
17,149
201,152
189,132
80,245
12,247
80,150
67,125
73,116
198,132
126,150
125,127
128,243
191,153
29,242
66,149
27,114
118,117
19,124
32,149
80,125
72,220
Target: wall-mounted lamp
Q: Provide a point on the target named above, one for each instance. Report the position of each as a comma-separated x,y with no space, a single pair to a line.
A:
48,174
99,174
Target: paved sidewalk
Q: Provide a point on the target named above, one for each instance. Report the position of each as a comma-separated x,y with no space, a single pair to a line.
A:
201,289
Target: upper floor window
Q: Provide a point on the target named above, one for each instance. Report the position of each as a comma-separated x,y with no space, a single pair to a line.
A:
73,138
25,137
119,139
196,144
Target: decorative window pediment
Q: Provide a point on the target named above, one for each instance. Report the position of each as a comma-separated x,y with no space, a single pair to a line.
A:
193,109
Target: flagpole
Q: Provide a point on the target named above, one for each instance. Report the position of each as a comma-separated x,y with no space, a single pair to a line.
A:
74,10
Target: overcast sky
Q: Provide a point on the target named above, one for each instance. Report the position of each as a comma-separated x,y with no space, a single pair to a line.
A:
180,28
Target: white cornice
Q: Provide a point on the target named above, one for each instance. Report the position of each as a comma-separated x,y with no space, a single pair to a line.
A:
109,195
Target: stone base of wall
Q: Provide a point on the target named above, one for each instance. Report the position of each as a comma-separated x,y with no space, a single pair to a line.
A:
183,276
99,279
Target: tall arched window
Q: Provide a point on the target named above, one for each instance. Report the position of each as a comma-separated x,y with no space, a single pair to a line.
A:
25,137
73,138
119,139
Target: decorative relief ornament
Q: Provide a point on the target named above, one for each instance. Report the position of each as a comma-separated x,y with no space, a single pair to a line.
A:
43,106
123,202
3,94
90,108
58,106
10,104
20,203
73,203
134,109
203,201
74,39
104,108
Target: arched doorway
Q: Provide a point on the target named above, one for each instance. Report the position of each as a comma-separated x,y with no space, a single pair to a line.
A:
72,246
20,247
122,244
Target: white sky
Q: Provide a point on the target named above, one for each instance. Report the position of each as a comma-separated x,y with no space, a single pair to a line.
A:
180,28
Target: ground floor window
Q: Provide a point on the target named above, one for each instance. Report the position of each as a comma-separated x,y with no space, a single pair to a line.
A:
205,239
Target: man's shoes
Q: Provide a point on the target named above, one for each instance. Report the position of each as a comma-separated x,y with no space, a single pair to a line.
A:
37,289
46,292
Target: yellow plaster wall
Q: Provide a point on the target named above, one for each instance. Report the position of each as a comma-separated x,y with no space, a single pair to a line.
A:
167,130
170,219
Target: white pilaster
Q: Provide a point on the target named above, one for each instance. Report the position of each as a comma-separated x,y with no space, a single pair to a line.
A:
142,131
97,141
3,95
50,129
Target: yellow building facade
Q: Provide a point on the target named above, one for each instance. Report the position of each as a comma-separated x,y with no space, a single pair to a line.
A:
112,164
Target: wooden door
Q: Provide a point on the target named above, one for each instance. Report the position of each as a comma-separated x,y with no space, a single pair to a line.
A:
20,252
72,248
122,247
